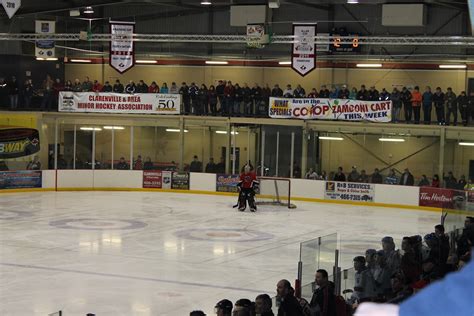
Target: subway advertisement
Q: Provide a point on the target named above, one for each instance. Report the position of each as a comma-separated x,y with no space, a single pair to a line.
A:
18,142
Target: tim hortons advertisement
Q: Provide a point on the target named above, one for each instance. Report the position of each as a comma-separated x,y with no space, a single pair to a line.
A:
331,109
140,103
442,198
349,191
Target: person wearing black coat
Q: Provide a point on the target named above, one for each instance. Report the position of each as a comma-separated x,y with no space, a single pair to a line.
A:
118,87
289,305
323,299
438,101
184,91
407,178
203,101
3,93
463,105
363,94
405,96
324,92
339,176
373,94
277,92
247,98
256,94
13,92
212,93
193,92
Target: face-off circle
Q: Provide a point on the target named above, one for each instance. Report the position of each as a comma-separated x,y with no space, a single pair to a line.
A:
223,234
12,215
98,224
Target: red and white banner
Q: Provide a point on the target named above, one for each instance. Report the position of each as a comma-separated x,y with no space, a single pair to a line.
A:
152,179
331,109
122,50
303,55
442,198
140,103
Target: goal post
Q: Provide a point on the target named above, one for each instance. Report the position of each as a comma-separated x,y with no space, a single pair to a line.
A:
275,191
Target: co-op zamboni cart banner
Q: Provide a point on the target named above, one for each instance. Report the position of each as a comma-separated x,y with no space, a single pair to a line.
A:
140,103
331,109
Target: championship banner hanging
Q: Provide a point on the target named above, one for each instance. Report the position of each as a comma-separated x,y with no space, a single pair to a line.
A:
122,51
303,55
331,109
45,48
11,6
18,142
140,103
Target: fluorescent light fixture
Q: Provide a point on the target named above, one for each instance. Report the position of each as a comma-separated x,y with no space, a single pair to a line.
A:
369,65
225,132
204,2
175,130
284,63
394,140
88,10
47,59
216,62
138,61
90,128
273,4
352,1
80,61
465,144
453,66
114,127
330,138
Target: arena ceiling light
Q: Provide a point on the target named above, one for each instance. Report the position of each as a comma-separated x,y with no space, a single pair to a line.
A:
225,132
369,65
452,66
84,128
81,60
393,140
89,10
114,127
175,130
284,63
206,2
216,62
138,61
352,1
330,138
466,144
46,59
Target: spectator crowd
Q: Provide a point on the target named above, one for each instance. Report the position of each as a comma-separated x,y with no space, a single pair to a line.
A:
234,99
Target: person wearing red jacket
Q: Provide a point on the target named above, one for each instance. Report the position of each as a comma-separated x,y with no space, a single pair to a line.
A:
96,87
416,99
247,185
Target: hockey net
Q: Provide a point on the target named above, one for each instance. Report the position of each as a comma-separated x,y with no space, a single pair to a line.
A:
275,191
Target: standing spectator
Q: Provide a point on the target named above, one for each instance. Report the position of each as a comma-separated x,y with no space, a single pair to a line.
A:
392,256
363,281
373,94
224,308
96,87
470,111
343,93
196,165
131,88
107,87
313,94
174,88
299,92
381,275
438,100
87,85
212,100
427,105
220,167
228,99
363,94
450,181
138,164
405,96
164,88
311,175
376,177
27,93
276,91
363,178
3,92
247,98
148,165
35,164
193,95
122,164
220,93
296,170
435,181
339,176
354,175
289,305
256,95
424,182
58,86
391,178
334,93
118,87
142,87
77,87
323,299
384,95
238,99
324,92
407,178
48,93
67,85
184,91
397,104
262,110
13,91
203,96
463,103
353,94
211,166
288,93
462,182
416,99
451,106
263,305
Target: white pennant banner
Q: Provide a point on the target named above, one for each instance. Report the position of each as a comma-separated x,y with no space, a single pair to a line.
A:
303,55
11,6
122,51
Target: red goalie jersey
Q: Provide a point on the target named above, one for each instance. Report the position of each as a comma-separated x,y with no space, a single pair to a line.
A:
247,180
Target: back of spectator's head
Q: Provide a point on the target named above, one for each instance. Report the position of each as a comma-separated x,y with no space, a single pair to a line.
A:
223,308
370,254
450,89
263,304
388,244
438,89
242,307
362,86
197,313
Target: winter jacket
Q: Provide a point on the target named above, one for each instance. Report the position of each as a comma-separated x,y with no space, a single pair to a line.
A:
118,88
343,94
396,99
450,99
373,95
427,98
277,92
299,93
416,98
438,99
324,94
363,95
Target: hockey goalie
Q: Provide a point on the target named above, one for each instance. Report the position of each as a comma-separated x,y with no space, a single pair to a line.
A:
247,186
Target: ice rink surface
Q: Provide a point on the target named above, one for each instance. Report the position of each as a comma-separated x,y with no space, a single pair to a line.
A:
153,253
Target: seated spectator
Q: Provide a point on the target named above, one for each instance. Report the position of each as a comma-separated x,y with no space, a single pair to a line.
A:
354,175
343,93
142,87
450,181
376,177
424,182
435,181
323,176
211,166
313,94
148,165
323,300
334,93
373,94
363,177
400,289
288,93
96,87
299,92
469,185
391,178
224,308
35,164
353,94
363,94
118,87
243,307
339,176
324,92
122,164
153,88
289,305
196,165
107,87
174,88
164,88
263,305
296,170
277,91
407,178
131,88
77,87
67,85
87,85
138,164
311,175
384,95
197,313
